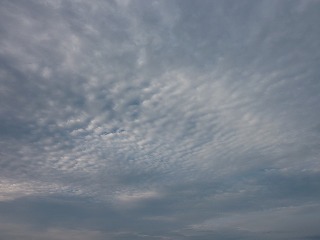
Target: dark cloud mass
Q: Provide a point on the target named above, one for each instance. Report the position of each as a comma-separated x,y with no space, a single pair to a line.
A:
178,120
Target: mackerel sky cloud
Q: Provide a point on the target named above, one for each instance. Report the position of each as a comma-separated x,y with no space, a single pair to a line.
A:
169,120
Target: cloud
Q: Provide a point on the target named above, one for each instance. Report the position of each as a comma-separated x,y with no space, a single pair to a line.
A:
19,231
159,119
273,223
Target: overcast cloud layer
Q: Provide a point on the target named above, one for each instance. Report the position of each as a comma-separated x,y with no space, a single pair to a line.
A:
169,120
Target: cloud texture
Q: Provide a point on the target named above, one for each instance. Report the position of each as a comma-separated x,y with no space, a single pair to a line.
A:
159,119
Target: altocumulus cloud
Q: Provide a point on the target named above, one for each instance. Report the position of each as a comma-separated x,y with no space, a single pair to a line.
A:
159,119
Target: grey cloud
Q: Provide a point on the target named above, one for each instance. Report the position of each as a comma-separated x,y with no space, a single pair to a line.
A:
286,222
162,115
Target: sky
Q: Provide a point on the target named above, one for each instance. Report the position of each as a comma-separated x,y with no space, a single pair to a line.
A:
164,120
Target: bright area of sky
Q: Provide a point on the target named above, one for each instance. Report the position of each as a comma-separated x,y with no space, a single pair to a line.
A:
164,120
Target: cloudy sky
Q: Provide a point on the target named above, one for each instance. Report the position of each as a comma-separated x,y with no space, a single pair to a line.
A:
164,120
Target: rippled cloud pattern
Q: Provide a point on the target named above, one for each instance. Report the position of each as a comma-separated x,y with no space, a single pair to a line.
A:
169,120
